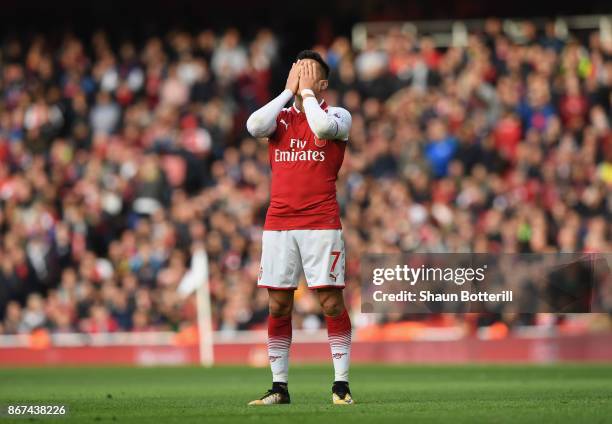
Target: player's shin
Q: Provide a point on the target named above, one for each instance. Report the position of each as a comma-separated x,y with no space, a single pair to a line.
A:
279,342
339,335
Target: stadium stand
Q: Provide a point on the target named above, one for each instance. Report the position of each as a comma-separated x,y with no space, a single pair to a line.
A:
118,159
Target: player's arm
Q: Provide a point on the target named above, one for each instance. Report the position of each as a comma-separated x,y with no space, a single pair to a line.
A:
262,122
335,124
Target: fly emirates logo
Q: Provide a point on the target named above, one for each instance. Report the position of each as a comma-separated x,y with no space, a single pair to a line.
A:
297,153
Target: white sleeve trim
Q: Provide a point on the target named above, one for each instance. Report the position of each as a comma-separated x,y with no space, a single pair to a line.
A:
335,124
262,122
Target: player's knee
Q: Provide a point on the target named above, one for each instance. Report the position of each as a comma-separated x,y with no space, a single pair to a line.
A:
332,305
280,308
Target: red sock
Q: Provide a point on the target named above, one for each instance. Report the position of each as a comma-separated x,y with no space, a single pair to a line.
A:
279,341
339,335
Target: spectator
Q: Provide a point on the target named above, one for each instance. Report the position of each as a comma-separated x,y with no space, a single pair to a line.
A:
441,147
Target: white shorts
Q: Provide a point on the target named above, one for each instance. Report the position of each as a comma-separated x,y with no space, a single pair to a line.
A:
285,254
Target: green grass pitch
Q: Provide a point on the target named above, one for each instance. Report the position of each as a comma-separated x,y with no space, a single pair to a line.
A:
402,394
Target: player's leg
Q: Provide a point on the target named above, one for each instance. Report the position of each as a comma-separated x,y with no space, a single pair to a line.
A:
322,253
339,335
279,336
279,343
279,273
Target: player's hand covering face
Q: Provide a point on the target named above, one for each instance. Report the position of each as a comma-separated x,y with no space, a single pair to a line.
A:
311,76
294,77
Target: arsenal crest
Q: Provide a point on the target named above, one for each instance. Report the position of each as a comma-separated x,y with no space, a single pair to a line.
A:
320,143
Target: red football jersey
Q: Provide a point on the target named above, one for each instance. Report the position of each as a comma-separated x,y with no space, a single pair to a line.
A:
304,173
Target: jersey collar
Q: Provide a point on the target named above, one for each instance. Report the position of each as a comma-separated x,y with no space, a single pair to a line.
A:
322,103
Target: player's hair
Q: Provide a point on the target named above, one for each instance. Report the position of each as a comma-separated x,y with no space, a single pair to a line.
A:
311,54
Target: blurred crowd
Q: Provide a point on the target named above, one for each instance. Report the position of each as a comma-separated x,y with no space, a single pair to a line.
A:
117,160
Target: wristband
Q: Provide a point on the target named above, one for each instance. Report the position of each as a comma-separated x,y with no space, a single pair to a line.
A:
307,91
